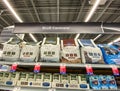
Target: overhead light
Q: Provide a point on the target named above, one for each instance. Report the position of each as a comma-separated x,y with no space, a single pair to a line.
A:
77,36
116,40
16,16
97,37
95,5
110,43
102,2
34,39
12,10
116,29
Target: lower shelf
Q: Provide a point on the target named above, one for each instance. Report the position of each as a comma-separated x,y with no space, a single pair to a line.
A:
58,64
12,88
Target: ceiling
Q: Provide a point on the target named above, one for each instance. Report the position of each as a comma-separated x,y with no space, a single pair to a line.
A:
61,11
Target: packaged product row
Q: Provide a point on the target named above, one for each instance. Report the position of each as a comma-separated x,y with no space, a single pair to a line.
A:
56,80
52,49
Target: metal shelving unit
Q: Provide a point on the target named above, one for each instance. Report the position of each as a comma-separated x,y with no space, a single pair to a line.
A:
73,28
58,64
12,88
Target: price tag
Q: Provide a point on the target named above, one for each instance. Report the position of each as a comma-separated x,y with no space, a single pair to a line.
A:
51,89
89,69
16,88
13,67
63,69
115,70
37,68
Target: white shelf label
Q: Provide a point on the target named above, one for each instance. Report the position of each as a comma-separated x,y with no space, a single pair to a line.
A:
51,89
16,88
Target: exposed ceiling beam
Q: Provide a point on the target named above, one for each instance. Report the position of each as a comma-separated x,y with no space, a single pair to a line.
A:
11,9
114,40
101,14
83,36
117,19
92,10
1,26
73,12
49,17
63,8
58,10
97,37
29,10
106,38
35,10
4,20
79,14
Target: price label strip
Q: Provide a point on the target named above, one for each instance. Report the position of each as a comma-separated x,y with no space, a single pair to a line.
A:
51,89
89,69
13,67
37,68
115,70
62,68
16,88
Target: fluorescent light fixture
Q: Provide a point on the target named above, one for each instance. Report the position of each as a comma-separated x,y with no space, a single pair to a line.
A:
12,10
116,40
34,39
112,28
92,10
97,37
110,43
17,17
77,36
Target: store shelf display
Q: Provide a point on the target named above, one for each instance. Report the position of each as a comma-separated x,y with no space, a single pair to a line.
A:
117,45
54,52
47,79
11,52
70,51
23,79
94,82
59,81
50,50
111,54
1,78
9,79
49,53
112,82
29,53
91,54
102,82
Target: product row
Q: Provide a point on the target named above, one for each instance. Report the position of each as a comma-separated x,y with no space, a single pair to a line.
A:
66,51
66,81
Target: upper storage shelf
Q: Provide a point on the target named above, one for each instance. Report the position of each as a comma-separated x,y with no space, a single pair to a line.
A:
60,49
81,27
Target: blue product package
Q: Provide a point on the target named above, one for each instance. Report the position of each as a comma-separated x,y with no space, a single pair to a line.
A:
103,82
94,82
112,82
117,45
111,54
